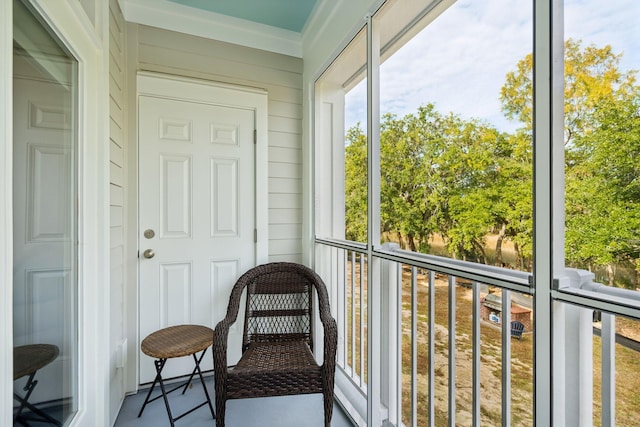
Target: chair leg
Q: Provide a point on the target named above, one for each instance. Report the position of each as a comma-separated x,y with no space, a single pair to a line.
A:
220,410
328,409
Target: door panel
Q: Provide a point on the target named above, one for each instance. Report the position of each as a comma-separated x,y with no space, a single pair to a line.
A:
197,194
44,265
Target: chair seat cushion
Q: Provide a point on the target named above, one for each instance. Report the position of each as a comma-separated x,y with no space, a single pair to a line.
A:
274,369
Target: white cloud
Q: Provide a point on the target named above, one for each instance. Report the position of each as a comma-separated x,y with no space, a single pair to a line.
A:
459,62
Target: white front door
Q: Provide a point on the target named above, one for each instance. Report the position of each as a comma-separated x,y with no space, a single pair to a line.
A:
197,214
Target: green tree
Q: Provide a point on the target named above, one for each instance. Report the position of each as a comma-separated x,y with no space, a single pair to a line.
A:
601,153
438,175
462,179
407,188
356,185
592,75
603,189
468,170
513,203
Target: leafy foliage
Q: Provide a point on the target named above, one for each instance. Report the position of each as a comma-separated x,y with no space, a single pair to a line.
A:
462,179
356,185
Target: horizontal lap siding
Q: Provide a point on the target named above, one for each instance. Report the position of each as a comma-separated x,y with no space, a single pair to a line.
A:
281,76
117,146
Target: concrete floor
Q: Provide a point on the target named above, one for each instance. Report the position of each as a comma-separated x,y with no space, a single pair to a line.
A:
285,411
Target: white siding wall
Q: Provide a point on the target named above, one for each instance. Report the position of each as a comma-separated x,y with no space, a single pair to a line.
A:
184,55
117,189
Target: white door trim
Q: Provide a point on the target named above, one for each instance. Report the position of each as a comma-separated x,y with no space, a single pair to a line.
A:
71,25
6,212
172,87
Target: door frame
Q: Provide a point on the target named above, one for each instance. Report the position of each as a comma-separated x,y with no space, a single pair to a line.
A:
209,92
71,24
6,212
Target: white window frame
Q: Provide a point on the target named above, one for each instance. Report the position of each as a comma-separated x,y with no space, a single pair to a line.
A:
6,212
562,301
71,25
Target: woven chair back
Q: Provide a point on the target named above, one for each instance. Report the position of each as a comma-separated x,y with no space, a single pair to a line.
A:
278,308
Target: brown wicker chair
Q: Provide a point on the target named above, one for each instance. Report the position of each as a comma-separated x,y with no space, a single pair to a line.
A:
277,346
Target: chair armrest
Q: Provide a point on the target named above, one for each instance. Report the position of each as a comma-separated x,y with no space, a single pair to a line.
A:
220,336
330,332
221,333
330,340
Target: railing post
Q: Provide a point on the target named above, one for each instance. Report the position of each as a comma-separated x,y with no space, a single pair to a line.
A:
506,358
390,335
573,365
374,325
608,335
452,351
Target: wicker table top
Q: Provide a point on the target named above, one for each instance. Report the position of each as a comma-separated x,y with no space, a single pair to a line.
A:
29,358
177,341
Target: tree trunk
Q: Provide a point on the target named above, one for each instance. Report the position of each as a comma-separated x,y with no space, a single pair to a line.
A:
412,243
400,241
481,251
499,245
611,273
518,256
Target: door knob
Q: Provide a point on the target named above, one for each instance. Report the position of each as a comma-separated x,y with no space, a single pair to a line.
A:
149,253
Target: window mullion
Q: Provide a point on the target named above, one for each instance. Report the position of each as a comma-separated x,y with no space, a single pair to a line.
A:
373,224
546,65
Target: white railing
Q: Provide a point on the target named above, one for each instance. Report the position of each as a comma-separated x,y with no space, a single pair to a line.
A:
577,287
418,358
438,350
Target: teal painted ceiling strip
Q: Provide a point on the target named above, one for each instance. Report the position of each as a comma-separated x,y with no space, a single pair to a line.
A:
287,14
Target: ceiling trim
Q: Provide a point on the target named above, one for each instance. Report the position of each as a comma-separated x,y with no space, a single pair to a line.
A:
184,19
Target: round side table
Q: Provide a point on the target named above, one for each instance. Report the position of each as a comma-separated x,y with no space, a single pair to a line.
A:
27,359
172,342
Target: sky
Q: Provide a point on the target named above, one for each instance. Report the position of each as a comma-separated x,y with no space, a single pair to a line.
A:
459,61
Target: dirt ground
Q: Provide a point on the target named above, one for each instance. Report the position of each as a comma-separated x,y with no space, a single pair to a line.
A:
627,385
490,366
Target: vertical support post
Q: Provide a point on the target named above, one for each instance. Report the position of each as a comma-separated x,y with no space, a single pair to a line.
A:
559,381
391,333
341,272
373,224
399,349
585,365
608,370
548,192
414,346
452,351
575,364
361,310
432,348
374,416
506,358
475,336
352,319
